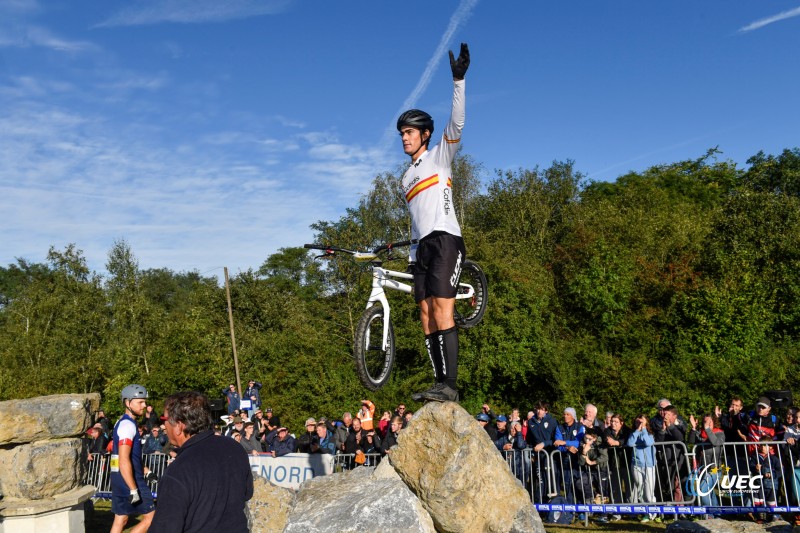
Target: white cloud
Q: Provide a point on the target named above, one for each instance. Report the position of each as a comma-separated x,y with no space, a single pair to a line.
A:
192,11
37,36
760,23
78,177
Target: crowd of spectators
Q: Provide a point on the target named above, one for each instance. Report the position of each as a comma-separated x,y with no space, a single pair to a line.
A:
360,436
647,462
600,461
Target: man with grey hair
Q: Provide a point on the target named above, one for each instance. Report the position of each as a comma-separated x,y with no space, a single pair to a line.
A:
207,486
589,419
343,431
568,440
657,421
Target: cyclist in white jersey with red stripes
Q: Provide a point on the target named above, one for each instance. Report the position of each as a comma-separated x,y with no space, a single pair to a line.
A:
428,189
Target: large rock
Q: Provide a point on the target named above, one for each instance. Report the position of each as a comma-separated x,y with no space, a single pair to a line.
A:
449,462
46,417
41,469
269,508
362,500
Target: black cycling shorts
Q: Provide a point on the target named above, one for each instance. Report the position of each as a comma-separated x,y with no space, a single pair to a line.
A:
439,259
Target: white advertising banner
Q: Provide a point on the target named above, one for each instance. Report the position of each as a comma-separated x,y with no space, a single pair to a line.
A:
291,470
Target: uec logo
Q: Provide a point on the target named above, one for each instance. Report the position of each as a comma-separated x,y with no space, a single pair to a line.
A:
703,482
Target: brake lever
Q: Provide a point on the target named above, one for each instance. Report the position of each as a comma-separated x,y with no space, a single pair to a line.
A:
326,255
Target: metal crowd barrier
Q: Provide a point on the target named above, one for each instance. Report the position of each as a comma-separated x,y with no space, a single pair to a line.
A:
705,481
681,482
347,461
99,475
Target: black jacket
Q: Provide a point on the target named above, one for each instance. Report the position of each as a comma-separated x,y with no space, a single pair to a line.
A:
306,441
205,488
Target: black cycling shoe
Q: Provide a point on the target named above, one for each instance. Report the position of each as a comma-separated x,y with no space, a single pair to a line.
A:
420,396
440,393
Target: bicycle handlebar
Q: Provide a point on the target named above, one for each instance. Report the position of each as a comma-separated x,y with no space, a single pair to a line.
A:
388,246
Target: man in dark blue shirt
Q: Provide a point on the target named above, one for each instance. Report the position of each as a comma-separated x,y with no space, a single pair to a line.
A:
207,486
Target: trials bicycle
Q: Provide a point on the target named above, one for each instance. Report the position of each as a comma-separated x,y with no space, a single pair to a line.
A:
374,343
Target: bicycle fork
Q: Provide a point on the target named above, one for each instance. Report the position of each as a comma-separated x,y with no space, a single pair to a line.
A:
381,279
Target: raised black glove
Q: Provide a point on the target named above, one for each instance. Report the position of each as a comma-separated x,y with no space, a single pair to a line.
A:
459,66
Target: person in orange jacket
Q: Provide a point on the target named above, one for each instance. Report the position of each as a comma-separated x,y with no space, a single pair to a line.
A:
365,414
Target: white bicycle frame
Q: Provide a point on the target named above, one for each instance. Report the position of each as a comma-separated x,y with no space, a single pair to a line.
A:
381,279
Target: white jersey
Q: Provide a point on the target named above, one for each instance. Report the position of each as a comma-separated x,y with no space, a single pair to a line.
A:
428,182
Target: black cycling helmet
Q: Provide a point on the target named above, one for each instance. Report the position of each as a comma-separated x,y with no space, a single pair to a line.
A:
416,119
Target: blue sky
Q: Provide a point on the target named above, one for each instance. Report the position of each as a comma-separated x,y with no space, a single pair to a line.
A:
211,134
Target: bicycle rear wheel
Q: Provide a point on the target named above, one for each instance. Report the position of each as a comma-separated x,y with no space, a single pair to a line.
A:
469,311
373,363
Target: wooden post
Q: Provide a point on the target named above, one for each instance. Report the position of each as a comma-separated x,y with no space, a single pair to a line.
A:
233,335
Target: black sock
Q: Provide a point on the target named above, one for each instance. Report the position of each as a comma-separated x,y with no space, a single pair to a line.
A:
435,354
448,345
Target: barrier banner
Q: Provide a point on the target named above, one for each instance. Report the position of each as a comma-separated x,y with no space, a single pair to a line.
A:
662,509
292,469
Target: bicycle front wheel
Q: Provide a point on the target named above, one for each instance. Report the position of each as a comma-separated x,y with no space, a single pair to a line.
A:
373,362
469,310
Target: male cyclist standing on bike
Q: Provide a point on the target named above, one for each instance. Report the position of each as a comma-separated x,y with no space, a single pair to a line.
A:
427,185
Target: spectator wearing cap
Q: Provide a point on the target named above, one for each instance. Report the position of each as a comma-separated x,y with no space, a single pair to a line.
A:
236,427
657,421
483,420
365,414
308,439
233,398
155,441
762,423
99,441
252,393
568,439
281,443
249,441
324,441
502,431
488,411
